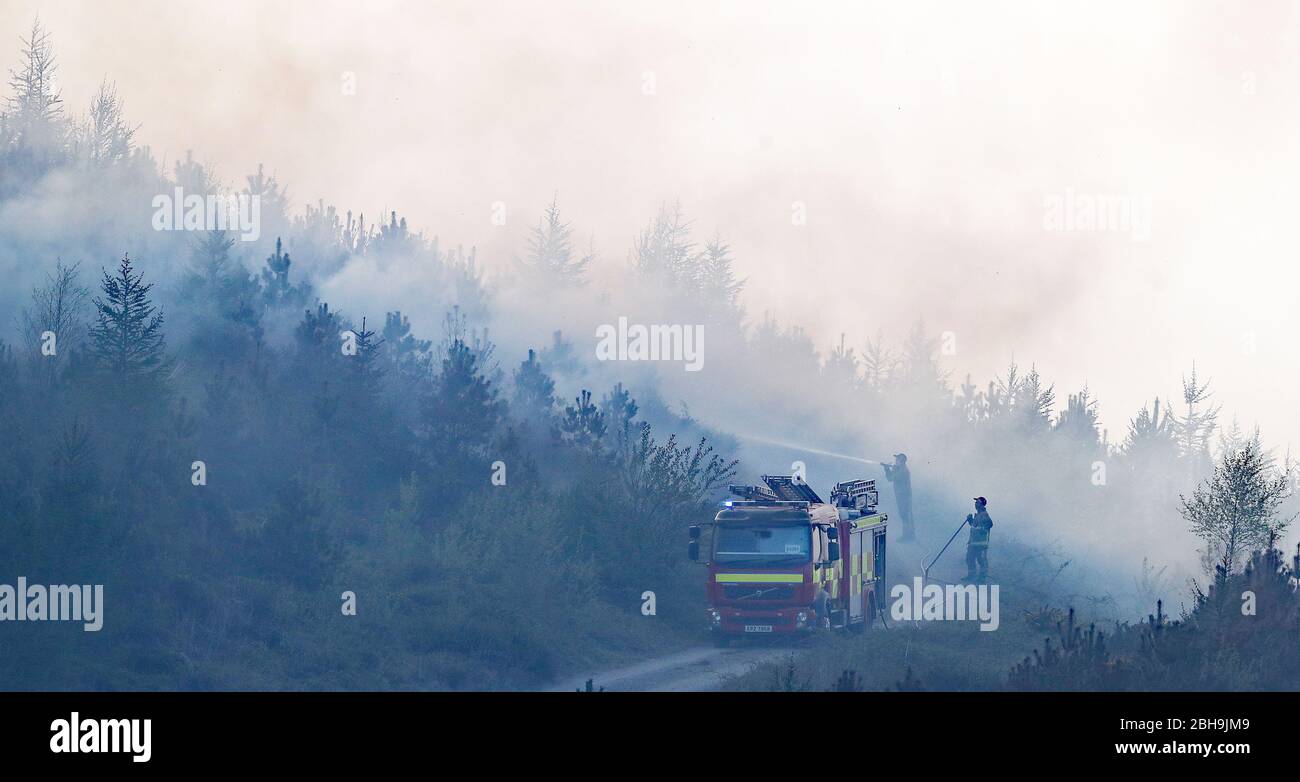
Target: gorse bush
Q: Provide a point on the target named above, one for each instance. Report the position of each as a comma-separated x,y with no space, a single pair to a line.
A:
1239,634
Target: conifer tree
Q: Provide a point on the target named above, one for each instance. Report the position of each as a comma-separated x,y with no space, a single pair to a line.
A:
408,352
919,367
1033,402
1195,427
878,365
193,177
583,423
104,137
463,410
365,366
34,123
273,200
318,332
276,287
619,409
127,339
534,390
1078,421
1151,435
841,365
211,257
217,280
664,251
550,251
719,287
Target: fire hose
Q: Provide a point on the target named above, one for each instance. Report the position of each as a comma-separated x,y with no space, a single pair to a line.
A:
925,569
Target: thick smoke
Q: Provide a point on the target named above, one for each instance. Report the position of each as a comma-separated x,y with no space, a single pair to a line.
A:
866,182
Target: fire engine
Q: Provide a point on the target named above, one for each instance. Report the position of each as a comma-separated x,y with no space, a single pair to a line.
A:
782,561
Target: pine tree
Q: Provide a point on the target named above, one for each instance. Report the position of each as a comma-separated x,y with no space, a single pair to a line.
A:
1151,435
1232,438
211,260
396,239
1196,426
534,390
276,287
841,366
1149,454
619,409
583,423
127,340
456,328
273,200
193,177
318,332
1024,400
69,490
1194,429
878,365
1035,402
409,353
664,251
973,403
560,355
550,252
463,411
104,138
920,367
719,287
34,93
365,367
34,125
293,545
790,348
1078,421
216,280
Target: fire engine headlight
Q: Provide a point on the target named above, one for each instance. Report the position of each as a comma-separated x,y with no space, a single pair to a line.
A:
801,617
715,618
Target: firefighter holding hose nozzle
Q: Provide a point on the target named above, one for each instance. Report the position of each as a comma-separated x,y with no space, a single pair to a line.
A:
901,477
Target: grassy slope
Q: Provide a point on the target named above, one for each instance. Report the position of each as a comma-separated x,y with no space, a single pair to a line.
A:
946,656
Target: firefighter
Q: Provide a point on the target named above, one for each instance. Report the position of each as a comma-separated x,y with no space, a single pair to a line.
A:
977,546
898,474
821,605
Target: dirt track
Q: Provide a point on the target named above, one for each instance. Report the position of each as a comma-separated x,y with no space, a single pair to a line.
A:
696,669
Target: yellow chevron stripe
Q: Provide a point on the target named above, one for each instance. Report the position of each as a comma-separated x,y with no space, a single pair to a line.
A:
759,578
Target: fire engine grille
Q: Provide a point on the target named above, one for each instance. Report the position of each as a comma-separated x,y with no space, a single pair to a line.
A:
757,592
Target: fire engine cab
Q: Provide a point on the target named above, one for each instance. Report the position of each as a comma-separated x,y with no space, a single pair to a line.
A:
782,561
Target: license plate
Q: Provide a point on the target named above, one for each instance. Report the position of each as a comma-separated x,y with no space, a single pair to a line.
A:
758,628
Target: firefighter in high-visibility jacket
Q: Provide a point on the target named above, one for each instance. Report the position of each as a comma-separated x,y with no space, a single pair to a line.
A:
977,545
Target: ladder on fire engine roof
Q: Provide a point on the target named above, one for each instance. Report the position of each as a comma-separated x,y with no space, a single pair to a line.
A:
791,489
780,488
752,493
860,494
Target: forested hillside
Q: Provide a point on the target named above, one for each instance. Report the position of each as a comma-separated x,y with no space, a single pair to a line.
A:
230,434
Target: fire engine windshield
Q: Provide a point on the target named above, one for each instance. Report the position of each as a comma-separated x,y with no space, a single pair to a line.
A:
762,546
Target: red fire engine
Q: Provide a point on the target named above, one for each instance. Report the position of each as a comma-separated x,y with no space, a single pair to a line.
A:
780,560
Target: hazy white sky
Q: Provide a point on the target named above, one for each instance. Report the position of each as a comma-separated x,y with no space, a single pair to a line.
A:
923,140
